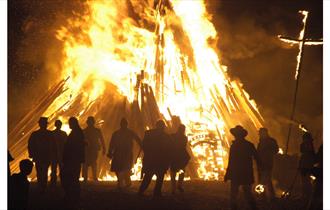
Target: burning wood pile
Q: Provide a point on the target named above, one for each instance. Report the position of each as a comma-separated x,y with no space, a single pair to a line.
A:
181,80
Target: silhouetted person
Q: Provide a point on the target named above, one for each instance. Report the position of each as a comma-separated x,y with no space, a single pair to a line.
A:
180,157
266,149
39,147
10,158
317,171
121,153
94,139
240,167
19,186
156,146
306,163
59,138
73,157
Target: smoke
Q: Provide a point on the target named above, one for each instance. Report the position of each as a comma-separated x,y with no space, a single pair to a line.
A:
249,46
244,39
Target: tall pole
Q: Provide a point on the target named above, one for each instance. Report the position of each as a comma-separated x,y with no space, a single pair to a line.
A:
297,76
302,41
294,103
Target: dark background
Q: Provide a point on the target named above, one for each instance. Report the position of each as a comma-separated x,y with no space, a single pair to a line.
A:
247,44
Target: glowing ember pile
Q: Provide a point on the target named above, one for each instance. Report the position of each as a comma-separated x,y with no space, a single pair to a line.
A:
164,47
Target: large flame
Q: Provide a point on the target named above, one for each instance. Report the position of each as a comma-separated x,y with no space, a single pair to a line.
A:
107,45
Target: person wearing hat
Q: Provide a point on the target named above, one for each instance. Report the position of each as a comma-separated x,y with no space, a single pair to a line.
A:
39,148
121,153
94,139
240,167
156,146
266,149
306,163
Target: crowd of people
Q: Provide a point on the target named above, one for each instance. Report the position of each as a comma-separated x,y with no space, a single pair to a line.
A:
162,151
79,150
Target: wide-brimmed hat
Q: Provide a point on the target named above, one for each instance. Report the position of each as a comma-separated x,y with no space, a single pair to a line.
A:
238,131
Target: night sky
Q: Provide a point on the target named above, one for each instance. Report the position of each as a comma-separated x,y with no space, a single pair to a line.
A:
247,44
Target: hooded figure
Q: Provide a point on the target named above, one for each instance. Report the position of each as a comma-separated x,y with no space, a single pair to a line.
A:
240,166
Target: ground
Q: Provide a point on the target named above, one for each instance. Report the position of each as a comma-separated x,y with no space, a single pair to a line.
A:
198,195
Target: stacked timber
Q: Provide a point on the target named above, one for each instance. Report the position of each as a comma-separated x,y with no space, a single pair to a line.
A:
18,136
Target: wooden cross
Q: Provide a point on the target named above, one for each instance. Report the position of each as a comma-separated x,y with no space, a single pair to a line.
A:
302,41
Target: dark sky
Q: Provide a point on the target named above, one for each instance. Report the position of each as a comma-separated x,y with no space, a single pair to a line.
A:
249,47
247,44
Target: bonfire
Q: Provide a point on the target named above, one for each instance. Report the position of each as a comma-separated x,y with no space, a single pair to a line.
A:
145,60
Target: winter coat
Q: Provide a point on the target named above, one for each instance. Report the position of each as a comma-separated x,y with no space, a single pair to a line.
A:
156,146
266,149
39,146
121,149
240,165
307,158
93,137
180,156
94,140
74,148
58,142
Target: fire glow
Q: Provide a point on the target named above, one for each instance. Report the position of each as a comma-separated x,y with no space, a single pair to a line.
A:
175,59
259,189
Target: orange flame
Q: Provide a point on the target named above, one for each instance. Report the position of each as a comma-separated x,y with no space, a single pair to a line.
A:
107,45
